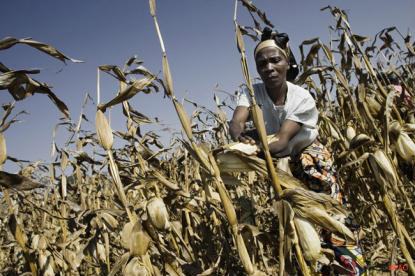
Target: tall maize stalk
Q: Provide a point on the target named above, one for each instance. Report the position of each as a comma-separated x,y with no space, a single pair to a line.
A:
208,162
106,140
260,126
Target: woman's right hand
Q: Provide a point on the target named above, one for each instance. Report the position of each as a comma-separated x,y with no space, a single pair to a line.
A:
246,139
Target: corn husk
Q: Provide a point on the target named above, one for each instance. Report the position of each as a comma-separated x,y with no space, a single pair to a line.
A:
108,220
157,212
374,105
42,243
135,268
168,80
3,149
319,209
386,165
309,239
350,133
72,258
409,127
135,239
325,220
63,186
359,140
284,165
46,263
248,149
395,128
100,252
104,131
405,147
333,132
234,161
231,162
64,160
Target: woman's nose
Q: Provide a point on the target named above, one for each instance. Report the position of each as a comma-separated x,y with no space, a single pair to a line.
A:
267,67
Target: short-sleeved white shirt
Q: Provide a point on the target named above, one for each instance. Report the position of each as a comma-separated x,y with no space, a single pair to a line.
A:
299,107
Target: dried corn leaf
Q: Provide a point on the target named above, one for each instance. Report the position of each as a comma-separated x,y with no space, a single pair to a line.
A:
129,92
17,182
8,42
21,86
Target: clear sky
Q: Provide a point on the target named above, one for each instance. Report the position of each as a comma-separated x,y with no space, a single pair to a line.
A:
199,38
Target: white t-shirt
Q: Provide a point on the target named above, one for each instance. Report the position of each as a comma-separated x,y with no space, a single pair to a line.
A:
299,107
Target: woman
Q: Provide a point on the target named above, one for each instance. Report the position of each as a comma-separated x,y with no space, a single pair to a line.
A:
290,113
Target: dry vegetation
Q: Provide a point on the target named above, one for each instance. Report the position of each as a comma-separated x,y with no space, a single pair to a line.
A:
198,207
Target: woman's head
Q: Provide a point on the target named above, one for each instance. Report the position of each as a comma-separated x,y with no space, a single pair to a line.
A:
270,38
272,63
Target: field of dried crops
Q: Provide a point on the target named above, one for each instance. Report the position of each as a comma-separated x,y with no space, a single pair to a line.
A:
198,207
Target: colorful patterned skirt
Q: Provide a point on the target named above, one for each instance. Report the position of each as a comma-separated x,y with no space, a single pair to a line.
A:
314,166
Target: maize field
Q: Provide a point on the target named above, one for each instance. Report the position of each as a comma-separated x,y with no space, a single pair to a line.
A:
203,205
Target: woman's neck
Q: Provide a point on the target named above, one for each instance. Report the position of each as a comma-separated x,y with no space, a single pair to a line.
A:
278,94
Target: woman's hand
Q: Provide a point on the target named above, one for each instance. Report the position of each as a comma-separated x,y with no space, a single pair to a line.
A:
246,139
251,148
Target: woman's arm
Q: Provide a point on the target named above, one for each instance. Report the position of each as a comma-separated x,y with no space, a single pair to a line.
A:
237,125
287,131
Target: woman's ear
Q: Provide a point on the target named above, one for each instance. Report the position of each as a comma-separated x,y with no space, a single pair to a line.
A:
292,71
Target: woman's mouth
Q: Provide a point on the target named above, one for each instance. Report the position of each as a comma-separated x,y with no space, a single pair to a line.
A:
272,77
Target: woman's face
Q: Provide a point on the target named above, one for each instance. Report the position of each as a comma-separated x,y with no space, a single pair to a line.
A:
272,66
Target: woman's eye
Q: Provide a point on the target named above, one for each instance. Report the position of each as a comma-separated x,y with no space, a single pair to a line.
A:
275,60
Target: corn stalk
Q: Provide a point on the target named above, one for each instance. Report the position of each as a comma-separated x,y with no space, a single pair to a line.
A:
208,162
258,119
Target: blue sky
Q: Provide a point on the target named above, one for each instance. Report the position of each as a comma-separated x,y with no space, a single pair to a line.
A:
198,34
